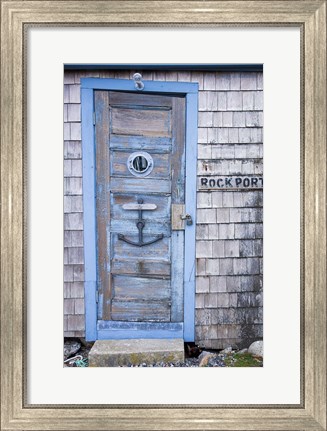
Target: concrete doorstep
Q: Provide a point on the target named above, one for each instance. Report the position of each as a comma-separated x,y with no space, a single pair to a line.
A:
115,353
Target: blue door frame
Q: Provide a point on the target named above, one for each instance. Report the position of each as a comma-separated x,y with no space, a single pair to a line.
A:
190,91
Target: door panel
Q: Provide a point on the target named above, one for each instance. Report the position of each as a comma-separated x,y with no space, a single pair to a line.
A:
140,288
160,170
143,311
146,268
136,122
125,185
140,100
123,250
161,201
161,145
140,258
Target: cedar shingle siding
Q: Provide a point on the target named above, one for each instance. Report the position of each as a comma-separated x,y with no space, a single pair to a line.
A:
229,223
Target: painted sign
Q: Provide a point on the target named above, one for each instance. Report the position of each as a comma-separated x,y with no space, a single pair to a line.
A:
239,182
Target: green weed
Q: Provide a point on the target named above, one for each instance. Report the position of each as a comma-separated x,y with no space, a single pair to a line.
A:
242,360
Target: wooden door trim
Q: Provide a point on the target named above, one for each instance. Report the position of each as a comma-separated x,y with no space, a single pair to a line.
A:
182,88
190,206
89,214
190,91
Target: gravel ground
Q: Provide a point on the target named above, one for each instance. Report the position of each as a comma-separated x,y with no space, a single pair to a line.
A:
214,359
189,362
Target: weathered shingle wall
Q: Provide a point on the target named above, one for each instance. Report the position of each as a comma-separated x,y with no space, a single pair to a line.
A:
74,324
229,223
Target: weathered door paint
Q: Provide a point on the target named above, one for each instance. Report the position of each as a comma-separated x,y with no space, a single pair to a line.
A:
140,191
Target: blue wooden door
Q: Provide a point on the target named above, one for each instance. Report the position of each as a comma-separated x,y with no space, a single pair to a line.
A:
140,204
139,178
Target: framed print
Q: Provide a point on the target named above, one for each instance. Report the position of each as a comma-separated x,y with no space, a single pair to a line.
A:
59,55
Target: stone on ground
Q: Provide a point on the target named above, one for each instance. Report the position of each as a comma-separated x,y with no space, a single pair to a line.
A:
203,354
115,353
205,360
256,348
227,350
70,348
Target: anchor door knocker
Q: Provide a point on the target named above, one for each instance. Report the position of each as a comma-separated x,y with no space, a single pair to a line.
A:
140,206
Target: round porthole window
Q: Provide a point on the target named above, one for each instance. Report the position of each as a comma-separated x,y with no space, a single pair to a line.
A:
140,164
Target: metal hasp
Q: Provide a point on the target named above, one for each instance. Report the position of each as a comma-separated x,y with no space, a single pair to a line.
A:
140,223
188,219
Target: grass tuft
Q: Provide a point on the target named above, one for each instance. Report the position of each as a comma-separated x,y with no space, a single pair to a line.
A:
242,360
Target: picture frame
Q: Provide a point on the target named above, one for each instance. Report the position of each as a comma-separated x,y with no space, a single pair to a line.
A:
310,17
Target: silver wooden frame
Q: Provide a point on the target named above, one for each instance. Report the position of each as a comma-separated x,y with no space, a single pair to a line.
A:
310,16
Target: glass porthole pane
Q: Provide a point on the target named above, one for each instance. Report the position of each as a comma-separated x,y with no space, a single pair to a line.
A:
140,164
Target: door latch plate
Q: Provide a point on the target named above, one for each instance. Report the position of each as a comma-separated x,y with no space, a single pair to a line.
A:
177,211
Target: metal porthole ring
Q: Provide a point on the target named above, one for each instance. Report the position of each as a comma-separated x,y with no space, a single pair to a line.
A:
140,164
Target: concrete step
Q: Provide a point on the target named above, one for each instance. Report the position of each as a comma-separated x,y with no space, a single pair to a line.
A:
113,353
